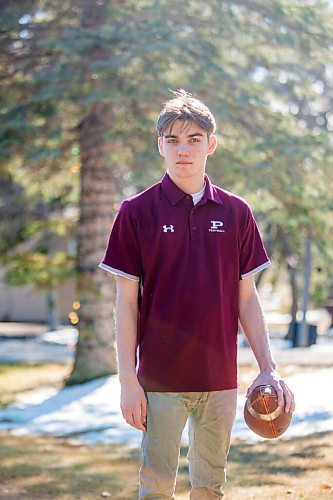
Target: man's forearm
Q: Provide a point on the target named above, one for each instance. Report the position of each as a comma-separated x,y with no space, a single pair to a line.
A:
252,321
126,335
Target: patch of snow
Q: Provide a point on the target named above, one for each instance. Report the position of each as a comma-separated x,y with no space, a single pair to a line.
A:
65,336
90,413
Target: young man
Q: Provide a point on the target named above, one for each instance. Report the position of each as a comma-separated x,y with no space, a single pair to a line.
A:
184,252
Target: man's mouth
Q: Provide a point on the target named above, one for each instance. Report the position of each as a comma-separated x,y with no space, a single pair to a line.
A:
184,162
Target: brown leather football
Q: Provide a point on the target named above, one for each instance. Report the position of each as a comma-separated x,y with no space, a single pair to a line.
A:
263,415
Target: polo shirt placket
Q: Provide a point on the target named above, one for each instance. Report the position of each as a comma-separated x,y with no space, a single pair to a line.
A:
189,260
194,223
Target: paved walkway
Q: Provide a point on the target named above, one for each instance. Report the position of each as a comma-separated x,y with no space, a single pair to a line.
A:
21,330
32,343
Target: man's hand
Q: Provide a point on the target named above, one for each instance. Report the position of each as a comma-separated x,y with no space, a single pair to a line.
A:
133,404
272,378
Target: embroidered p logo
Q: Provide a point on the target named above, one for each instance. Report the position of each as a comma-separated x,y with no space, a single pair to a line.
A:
216,226
168,228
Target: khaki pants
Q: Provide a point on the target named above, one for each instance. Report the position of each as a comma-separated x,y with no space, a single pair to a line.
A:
211,416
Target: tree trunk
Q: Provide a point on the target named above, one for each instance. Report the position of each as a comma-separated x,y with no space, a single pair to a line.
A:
304,332
291,264
294,301
268,243
95,355
329,305
52,314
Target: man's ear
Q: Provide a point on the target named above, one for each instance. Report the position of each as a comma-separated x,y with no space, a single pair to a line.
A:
160,146
212,144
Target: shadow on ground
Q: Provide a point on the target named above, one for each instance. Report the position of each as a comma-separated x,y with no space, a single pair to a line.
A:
51,468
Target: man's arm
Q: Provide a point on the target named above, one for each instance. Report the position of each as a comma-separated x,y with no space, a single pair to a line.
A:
133,401
252,320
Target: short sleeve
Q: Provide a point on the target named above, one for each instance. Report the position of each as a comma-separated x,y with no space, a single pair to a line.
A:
122,255
253,257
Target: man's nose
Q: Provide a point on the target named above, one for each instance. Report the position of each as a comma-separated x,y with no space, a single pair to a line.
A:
183,150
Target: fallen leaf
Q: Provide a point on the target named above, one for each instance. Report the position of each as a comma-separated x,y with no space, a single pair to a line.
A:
326,486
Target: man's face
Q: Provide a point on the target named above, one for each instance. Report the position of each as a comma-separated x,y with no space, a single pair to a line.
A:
185,149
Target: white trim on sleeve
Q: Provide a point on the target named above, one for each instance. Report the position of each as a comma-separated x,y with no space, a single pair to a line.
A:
256,270
118,272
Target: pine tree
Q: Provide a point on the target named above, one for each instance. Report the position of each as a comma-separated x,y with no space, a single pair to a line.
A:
84,81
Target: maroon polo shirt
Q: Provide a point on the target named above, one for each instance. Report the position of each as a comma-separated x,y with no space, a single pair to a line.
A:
189,260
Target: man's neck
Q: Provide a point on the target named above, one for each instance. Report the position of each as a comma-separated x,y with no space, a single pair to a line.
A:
188,185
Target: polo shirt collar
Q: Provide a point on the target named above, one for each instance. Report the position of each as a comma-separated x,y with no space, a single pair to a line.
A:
175,194
211,193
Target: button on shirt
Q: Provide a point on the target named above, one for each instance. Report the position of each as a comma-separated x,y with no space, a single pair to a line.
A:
189,260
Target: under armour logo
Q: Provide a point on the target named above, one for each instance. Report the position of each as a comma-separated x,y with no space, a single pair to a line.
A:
216,226
168,228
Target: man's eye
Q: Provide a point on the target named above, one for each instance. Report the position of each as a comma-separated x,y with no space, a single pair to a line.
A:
194,139
172,141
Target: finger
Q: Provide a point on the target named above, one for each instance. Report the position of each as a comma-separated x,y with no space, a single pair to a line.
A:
286,395
293,403
128,416
137,421
250,390
144,413
289,400
124,413
133,416
253,386
288,403
280,395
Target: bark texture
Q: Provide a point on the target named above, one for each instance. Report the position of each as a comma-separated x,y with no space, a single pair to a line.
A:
292,270
96,354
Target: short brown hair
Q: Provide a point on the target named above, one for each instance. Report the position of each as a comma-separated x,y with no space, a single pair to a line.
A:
184,106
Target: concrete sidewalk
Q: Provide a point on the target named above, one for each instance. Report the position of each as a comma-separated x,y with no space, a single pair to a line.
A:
22,330
33,343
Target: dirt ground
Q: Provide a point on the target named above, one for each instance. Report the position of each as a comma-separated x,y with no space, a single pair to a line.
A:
36,467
